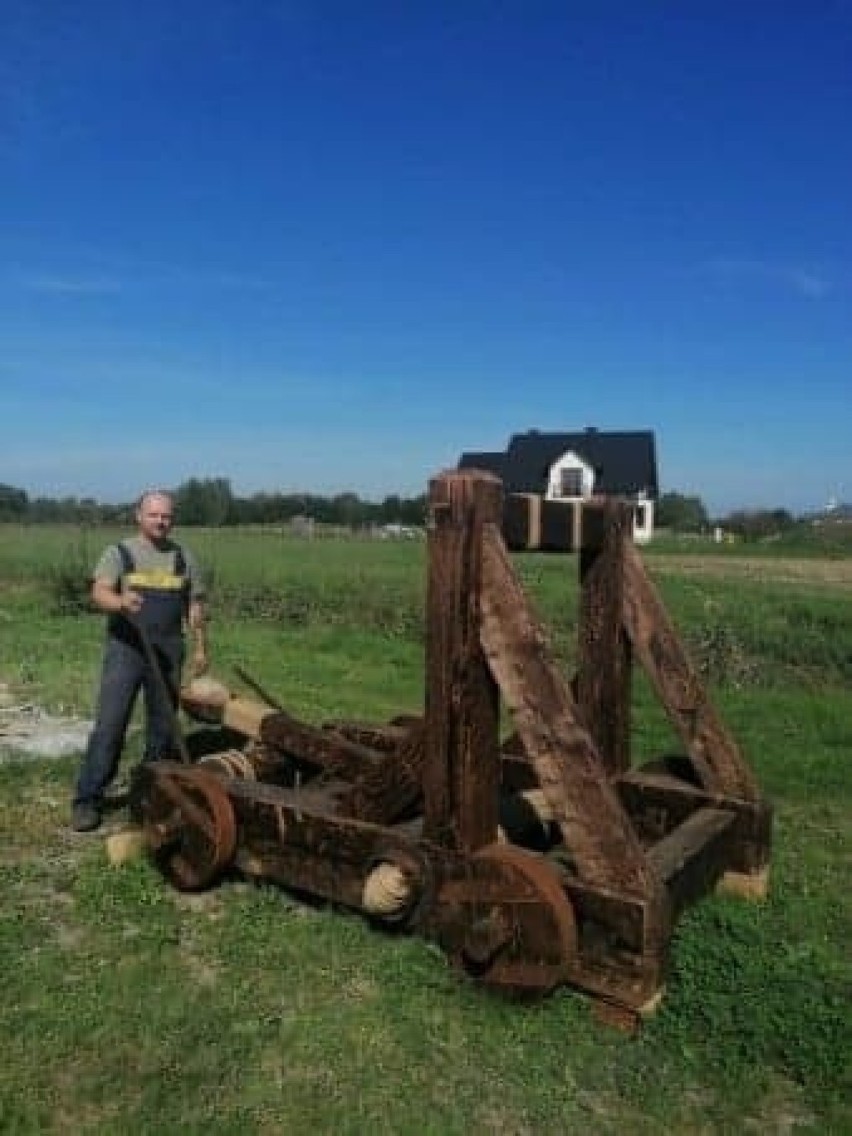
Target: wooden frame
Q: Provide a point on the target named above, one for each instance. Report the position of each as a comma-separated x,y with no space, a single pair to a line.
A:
546,860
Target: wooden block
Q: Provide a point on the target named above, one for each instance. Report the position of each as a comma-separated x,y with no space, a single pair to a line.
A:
121,847
746,885
245,716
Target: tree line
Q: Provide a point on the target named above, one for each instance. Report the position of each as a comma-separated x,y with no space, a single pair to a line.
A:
211,501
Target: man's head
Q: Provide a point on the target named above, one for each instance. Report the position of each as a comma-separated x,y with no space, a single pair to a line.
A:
155,515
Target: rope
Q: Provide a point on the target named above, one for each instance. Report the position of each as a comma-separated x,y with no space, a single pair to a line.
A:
232,762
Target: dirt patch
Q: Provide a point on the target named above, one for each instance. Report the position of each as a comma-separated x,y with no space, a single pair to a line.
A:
834,574
26,730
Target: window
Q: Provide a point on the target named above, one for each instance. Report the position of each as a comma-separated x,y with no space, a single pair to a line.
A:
571,482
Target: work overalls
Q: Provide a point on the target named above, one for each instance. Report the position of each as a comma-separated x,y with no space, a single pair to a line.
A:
165,597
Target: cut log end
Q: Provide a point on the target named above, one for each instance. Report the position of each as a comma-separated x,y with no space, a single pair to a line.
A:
122,847
746,885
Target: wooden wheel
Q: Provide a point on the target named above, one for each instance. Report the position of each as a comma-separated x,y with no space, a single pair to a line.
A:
189,824
515,927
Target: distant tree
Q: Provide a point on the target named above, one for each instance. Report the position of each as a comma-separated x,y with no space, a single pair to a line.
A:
13,503
413,510
759,524
681,513
204,501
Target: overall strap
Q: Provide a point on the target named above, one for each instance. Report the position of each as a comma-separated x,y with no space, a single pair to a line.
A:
126,558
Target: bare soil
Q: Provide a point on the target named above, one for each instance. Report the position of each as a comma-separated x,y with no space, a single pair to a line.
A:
834,574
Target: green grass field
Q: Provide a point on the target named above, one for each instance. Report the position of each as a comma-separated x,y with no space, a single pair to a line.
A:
128,1008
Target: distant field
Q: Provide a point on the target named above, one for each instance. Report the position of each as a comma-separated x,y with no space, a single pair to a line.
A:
125,1007
833,573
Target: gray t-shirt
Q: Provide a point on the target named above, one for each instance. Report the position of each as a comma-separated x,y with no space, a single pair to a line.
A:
147,558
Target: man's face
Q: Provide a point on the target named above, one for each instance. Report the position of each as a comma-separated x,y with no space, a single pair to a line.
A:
156,516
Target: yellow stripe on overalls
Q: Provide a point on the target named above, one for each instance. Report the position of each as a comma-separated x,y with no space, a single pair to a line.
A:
161,581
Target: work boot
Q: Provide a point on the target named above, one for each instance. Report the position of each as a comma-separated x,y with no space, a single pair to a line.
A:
85,816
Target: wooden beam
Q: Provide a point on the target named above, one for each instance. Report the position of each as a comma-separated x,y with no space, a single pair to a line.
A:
317,747
693,857
603,648
594,826
392,787
461,770
714,752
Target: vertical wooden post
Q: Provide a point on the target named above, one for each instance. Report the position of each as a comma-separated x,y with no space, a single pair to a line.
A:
603,650
462,765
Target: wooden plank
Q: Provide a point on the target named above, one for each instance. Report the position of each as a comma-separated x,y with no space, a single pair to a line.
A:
593,824
658,802
715,753
461,770
693,857
603,648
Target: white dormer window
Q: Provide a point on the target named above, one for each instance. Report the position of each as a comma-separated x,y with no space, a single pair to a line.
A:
571,482
569,478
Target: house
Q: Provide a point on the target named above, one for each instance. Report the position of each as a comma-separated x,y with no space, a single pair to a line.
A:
572,467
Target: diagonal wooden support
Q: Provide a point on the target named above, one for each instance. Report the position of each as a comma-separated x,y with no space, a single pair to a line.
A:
714,752
594,826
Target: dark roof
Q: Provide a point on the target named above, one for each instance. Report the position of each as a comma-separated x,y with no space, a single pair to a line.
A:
492,462
624,462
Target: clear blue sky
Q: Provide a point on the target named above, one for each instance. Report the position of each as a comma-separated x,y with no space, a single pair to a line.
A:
322,246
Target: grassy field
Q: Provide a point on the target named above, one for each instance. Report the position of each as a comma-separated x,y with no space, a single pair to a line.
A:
127,1008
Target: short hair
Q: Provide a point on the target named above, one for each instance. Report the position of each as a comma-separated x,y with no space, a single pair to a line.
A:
143,497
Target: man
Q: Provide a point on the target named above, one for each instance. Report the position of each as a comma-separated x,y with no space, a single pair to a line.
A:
151,589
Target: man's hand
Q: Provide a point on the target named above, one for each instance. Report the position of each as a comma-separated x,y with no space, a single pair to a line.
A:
130,602
111,602
199,662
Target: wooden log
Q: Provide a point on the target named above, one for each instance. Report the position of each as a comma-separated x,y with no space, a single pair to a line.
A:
320,748
682,693
604,656
461,770
391,787
384,738
593,824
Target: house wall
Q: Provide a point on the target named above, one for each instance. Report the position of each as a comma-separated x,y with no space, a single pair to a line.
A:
643,515
643,520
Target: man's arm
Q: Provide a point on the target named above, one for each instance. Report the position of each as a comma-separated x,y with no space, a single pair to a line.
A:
110,602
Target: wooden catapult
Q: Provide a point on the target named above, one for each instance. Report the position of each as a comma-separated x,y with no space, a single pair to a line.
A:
541,861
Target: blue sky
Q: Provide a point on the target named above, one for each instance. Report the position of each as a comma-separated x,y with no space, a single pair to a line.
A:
321,246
